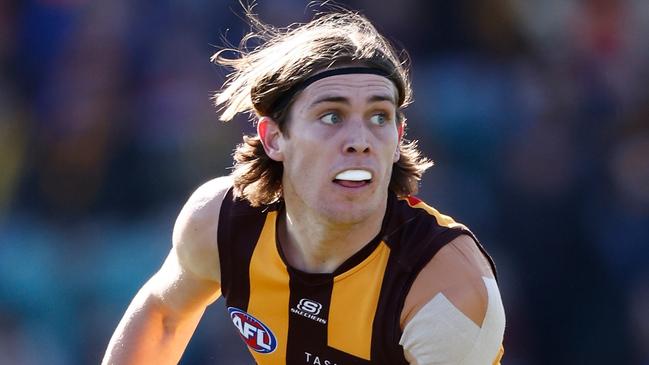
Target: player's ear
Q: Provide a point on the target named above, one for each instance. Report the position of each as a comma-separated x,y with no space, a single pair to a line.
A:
401,125
270,135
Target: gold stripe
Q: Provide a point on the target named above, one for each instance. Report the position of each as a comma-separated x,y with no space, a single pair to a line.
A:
499,356
354,299
442,220
269,291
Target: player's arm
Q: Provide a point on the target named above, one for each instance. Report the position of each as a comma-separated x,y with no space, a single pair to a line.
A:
163,315
453,314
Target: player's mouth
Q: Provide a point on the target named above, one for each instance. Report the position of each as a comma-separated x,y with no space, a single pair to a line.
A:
353,178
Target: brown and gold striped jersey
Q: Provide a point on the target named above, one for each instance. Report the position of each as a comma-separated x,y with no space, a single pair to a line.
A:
350,316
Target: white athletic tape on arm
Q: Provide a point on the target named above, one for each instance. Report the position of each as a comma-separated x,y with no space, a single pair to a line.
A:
441,334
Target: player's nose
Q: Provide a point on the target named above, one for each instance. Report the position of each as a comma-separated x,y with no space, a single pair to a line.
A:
356,137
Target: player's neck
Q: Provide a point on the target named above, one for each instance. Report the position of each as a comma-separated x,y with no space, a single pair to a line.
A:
313,244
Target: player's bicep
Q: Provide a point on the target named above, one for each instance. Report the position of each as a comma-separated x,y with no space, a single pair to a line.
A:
179,290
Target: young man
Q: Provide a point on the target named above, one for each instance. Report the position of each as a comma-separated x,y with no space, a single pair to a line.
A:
321,251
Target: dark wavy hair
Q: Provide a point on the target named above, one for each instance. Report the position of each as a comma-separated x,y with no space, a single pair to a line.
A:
288,56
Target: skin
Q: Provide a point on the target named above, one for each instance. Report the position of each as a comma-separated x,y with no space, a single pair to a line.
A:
337,123
163,315
455,271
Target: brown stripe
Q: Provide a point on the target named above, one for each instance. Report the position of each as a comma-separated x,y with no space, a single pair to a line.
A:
236,246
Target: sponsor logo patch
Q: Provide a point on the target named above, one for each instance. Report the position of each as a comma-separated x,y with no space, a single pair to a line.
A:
309,309
309,306
253,332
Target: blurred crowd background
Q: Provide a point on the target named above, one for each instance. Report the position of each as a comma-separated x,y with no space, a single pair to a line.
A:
536,113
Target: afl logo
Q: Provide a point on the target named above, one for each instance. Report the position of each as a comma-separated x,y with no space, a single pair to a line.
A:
254,333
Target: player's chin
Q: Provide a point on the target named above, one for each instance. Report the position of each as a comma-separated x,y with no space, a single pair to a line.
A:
349,211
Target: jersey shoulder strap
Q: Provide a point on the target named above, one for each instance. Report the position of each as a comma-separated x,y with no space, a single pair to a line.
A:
415,232
239,228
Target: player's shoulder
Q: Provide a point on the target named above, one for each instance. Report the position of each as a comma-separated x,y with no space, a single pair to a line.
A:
204,204
209,194
458,271
454,308
195,230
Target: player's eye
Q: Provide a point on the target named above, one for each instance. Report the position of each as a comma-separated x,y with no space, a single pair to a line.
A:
379,118
330,118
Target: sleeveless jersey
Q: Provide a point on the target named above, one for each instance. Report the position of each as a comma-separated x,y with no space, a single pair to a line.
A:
347,317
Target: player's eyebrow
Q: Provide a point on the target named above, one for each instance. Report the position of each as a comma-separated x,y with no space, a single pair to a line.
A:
341,99
330,99
381,97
